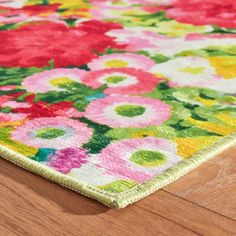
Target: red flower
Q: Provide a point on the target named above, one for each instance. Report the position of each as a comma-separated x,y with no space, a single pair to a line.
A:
38,43
35,10
40,9
205,12
43,109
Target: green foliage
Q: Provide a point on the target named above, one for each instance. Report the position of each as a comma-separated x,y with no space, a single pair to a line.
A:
158,58
185,104
5,139
110,50
70,22
99,140
194,132
162,131
15,75
5,109
218,30
151,19
210,51
75,92
8,26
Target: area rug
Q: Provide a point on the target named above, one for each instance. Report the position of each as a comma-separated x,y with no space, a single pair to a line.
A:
116,99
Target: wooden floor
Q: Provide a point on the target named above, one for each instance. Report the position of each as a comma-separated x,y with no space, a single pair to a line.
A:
202,202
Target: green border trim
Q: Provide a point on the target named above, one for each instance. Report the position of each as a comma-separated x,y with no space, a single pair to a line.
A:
120,200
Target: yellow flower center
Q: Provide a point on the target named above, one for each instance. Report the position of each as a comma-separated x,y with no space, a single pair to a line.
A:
116,63
145,133
193,70
60,81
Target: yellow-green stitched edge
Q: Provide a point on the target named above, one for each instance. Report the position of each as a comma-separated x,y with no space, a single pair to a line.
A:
105,197
175,172
120,200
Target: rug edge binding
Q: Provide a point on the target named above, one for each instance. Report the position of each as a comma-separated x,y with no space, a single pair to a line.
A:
121,200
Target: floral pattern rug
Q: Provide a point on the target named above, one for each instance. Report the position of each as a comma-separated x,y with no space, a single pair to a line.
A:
115,99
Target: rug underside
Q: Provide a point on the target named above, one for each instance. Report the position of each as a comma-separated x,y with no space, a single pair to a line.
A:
116,99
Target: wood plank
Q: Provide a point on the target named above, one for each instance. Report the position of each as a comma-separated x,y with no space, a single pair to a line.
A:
31,205
212,185
199,219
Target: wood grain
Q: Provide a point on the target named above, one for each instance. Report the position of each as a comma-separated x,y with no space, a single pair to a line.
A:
35,205
31,205
180,211
212,185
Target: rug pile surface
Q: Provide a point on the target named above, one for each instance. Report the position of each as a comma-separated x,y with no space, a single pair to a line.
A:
115,99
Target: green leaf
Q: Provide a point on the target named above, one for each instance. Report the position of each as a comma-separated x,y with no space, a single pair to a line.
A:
98,140
8,26
194,132
75,92
158,58
70,22
219,30
162,131
15,75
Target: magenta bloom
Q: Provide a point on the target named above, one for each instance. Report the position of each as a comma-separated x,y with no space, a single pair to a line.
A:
122,80
66,159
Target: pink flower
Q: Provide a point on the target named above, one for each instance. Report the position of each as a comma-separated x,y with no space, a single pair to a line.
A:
122,80
139,159
52,132
9,15
9,117
51,80
66,159
7,101
7,87
204,12
13,19
4,99
15,104
121,60
136,39
124,111
108,9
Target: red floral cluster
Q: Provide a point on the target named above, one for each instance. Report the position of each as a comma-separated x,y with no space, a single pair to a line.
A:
204,12
37,43
43,109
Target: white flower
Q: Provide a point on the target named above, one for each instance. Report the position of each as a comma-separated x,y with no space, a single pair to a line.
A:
194,72
12,3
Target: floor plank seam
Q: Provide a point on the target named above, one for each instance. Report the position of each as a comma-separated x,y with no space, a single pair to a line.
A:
218,213
170,220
